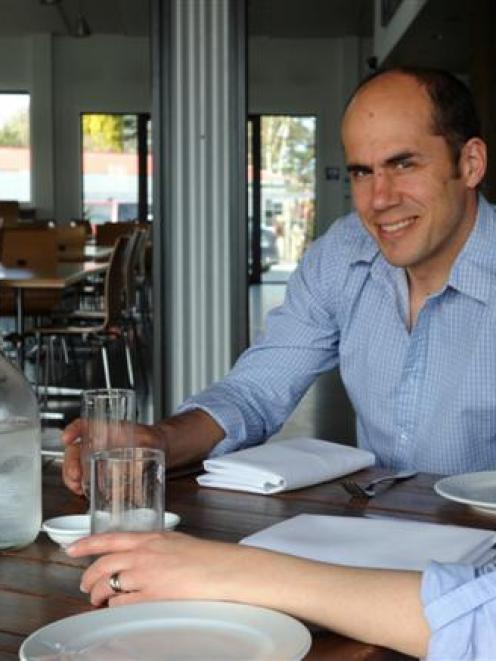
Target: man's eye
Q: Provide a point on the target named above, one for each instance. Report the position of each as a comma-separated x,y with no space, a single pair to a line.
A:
404,165
359,174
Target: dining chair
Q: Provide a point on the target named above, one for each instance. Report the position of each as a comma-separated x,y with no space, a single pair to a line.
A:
106,234
9,212
70,238
93,329
35,250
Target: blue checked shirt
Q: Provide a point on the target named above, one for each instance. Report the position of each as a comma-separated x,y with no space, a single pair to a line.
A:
460,607
424,399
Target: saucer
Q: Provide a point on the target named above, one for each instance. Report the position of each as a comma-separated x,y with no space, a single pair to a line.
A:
65,530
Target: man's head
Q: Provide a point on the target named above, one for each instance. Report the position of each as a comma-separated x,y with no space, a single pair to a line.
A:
453,111
415,158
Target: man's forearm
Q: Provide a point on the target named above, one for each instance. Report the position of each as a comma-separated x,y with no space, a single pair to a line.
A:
189,437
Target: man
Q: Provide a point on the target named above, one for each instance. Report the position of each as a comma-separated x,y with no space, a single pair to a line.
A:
399,294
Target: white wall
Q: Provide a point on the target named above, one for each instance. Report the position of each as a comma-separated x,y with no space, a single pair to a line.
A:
65,77
98,74
315,77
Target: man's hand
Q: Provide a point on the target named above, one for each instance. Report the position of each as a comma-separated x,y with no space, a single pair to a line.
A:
144,436
185,438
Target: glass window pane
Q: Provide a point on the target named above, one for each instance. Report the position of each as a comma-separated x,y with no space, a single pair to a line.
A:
288,192
15,147
110,167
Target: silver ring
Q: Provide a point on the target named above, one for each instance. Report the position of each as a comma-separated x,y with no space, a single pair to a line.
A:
115,583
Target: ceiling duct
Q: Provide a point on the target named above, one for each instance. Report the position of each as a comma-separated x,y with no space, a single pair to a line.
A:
80,28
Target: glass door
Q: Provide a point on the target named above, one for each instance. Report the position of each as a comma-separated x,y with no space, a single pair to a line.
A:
281,193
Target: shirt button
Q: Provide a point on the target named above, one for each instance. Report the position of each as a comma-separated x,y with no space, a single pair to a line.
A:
403,436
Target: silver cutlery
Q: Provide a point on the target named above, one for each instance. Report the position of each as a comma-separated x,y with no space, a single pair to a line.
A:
369,490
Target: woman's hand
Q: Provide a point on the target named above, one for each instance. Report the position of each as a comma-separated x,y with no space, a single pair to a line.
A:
169,565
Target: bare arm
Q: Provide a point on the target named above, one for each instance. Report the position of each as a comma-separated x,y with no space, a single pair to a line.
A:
375,606
186,438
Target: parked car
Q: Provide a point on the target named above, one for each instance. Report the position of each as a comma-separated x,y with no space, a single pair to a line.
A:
268,248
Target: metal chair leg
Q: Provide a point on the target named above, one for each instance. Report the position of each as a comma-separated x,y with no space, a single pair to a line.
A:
129,362
105,363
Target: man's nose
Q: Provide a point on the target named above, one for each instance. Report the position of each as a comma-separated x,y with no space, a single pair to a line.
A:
384,191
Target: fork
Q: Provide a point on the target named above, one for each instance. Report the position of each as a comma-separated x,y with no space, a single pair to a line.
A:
369,490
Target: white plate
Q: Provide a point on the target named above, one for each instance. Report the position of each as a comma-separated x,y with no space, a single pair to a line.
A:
475,489
171,630
65,530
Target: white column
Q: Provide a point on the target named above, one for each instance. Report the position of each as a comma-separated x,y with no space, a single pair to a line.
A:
200,226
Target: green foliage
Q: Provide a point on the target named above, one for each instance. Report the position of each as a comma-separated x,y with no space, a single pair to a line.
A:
15,131
109,133
288,148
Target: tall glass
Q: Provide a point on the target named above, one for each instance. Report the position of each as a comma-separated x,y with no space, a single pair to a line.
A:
127,490
108,417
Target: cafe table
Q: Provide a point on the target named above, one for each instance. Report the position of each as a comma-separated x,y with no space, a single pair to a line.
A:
90,253
63,276
40,584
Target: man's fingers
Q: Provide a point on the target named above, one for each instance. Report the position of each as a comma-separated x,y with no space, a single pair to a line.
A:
72,432
71,469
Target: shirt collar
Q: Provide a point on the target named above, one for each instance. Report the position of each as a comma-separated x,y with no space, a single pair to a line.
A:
474,270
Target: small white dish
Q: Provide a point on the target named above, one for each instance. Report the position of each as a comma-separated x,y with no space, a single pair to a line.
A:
65,530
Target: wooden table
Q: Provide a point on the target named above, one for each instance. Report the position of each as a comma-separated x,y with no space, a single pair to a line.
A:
40,584
90,253
64,275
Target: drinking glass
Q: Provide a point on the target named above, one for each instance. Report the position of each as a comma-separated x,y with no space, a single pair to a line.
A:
108,416
127,490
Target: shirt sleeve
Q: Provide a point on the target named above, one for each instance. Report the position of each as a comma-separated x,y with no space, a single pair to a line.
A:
460,606
301,341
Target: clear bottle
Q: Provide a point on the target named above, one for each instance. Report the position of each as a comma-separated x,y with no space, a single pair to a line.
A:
20,459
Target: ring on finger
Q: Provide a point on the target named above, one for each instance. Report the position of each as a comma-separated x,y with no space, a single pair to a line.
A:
115,582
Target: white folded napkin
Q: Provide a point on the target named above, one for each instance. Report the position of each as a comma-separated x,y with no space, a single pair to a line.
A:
385,543
283,465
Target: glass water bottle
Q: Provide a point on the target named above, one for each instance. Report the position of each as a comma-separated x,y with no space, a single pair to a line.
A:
20,459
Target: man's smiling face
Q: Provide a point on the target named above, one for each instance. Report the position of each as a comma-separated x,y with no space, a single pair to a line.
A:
416,203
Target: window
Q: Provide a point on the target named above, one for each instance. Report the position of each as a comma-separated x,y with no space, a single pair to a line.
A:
15,147
281,193
116,167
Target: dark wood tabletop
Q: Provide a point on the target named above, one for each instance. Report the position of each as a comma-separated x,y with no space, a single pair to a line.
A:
40,584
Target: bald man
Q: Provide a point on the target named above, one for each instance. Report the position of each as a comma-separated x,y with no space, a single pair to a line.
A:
400,294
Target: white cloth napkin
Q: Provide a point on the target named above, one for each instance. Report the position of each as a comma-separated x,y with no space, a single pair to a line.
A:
283,465
386,543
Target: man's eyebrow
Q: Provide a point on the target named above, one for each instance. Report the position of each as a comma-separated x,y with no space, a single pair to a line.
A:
398,158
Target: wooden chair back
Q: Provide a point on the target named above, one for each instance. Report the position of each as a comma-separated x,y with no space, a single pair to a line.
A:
29,249
107,234
114,284
70,238
34,249
81,222
9,211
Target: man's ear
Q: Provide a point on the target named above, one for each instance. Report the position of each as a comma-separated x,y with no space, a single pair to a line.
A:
473,162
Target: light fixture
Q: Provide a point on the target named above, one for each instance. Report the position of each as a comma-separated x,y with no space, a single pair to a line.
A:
82,28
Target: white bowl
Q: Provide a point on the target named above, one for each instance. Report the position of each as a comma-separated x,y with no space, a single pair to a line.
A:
65,530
